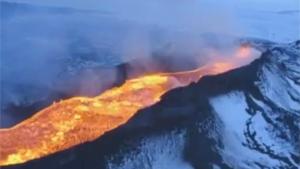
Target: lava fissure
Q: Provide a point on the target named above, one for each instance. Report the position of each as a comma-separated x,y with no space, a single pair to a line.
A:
80,119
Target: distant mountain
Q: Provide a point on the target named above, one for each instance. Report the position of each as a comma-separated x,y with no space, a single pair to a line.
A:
246,118
287,12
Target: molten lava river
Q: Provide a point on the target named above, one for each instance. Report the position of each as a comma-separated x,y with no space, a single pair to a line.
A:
81,119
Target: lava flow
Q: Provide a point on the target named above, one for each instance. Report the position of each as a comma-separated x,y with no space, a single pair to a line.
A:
80,119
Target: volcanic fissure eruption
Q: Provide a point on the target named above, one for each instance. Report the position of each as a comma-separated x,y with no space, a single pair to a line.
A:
81,119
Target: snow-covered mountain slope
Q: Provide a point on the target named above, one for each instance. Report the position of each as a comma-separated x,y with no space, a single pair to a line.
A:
262,125
246,118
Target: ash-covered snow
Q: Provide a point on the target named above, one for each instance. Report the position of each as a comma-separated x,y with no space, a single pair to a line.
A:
264,131
159,152
238,126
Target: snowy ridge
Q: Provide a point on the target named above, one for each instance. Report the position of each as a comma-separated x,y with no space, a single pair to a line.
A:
264,131
280,78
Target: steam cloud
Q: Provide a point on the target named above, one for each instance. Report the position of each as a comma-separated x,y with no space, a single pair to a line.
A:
49,53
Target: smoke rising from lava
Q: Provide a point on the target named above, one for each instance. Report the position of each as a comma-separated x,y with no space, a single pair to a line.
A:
51,53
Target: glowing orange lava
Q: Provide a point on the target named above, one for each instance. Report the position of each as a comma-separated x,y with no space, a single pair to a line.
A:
81,119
